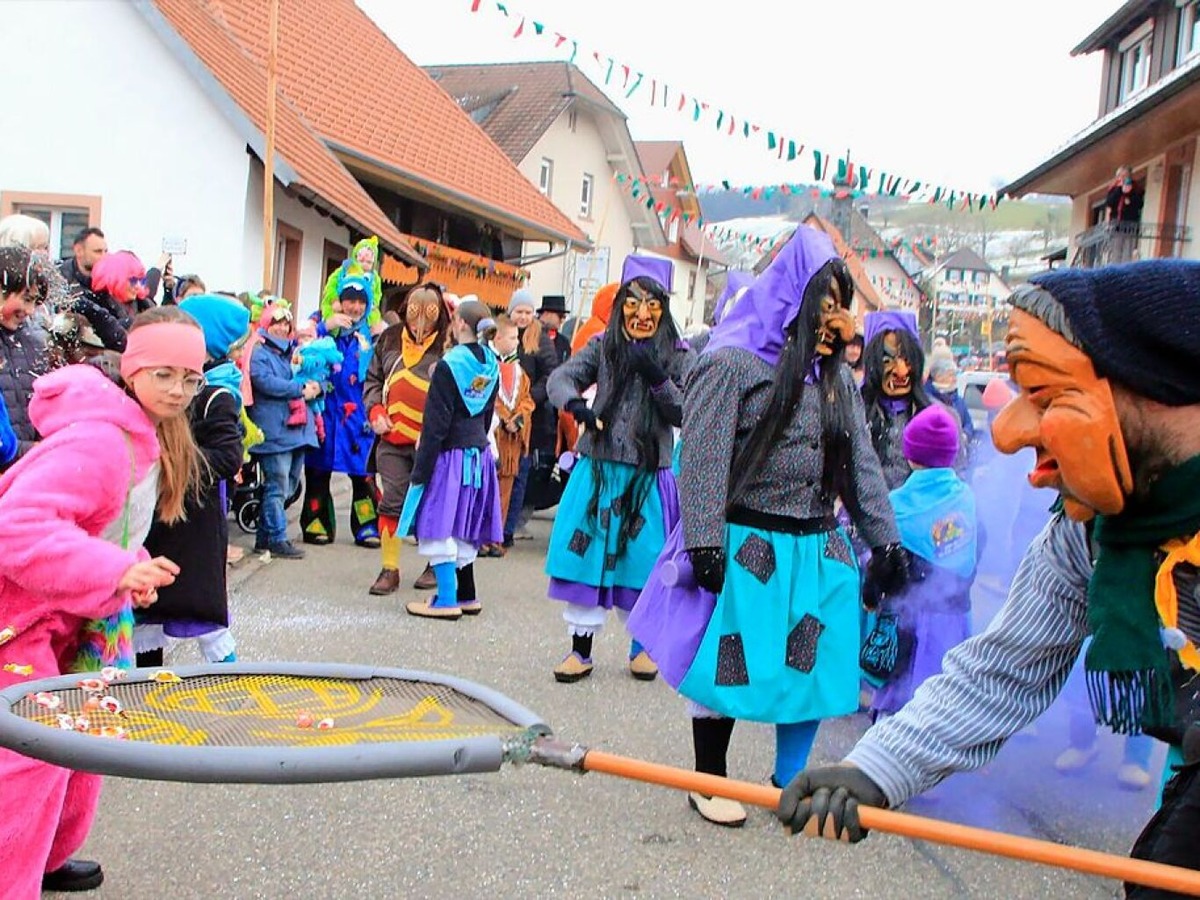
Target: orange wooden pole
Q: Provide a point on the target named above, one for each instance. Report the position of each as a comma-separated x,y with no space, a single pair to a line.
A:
1090,862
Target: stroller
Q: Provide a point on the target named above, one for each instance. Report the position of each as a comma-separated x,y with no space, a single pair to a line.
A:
246,501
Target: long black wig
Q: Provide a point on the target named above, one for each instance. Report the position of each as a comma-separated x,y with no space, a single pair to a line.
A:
791,372
649,421
874,398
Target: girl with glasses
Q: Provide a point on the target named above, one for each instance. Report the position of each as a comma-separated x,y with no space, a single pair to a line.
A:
74,513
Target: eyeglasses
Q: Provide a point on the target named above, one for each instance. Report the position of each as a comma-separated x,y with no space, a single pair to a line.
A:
165,379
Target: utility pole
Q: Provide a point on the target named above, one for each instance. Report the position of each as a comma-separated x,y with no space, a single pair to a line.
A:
269,155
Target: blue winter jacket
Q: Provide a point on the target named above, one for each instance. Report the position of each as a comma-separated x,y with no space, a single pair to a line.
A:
348,435
271,379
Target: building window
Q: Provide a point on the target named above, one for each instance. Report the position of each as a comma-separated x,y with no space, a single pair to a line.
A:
586,192
691,285
64,214
1189,30
572,120
546,176
1135,60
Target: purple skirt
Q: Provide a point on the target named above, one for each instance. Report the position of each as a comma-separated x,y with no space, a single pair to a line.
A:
670,620
462,499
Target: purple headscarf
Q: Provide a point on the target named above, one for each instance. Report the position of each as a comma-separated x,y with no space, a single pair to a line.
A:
889,320
735,280
758,322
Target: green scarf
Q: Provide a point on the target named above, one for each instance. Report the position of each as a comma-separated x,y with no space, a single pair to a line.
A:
1128,674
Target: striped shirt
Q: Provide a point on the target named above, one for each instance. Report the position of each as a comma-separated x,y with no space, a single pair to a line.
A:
994,684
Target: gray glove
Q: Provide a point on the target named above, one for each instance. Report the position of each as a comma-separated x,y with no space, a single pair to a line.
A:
830,794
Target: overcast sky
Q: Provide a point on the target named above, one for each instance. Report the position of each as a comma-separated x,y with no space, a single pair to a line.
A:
958,92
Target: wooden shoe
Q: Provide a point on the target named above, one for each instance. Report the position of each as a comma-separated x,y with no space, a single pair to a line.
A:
573,668
426,610
642,667
718,810
386,582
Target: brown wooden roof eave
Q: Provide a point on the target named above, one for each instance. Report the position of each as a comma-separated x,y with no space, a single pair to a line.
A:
525,228
392,243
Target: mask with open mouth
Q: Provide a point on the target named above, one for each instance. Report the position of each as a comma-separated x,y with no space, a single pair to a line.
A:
641,312
897,370
1066,412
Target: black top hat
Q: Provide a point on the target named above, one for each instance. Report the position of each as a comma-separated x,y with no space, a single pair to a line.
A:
555,303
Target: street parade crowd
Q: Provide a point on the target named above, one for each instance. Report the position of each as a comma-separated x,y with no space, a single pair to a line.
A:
786,516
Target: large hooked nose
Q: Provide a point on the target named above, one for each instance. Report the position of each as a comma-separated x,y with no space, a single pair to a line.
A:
1017,425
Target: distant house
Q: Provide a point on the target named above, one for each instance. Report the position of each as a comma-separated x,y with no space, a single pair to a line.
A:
163,148
969,301
569,140
1148,119
695,258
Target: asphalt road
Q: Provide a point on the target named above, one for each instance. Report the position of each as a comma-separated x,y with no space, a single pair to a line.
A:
535,832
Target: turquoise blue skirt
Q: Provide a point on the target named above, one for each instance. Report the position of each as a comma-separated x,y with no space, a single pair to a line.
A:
783,640
583,549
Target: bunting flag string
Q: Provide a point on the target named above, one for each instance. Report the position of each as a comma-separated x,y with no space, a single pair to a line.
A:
848,173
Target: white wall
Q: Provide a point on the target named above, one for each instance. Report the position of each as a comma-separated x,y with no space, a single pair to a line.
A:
135,128
574,153
109,112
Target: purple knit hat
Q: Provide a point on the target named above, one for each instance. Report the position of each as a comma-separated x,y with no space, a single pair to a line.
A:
931,438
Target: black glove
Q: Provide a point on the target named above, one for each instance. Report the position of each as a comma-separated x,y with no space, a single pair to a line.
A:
831,795
582,413
887,573
708,566
644,361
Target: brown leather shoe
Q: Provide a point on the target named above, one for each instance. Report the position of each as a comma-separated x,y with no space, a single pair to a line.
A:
387,582
426,581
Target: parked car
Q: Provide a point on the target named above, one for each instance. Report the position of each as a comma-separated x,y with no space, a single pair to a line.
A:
971,386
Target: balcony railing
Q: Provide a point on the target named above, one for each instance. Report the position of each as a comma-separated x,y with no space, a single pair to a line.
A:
1116,242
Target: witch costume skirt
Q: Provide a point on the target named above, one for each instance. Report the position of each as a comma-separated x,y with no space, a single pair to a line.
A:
460,501
779,643
584,562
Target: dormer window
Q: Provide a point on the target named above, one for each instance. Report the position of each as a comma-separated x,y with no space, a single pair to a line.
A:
1135,60
1189,30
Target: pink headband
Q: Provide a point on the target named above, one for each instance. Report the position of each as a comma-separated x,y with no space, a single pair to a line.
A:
168,344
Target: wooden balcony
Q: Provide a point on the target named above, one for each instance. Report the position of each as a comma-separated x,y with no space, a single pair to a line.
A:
1109,243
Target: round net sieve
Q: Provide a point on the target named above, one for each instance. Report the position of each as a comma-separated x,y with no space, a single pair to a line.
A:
263,722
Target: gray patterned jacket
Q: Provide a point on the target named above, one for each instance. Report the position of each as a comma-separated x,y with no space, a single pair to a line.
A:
727,394
588,367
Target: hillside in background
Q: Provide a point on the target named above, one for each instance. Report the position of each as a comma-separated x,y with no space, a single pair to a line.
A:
1012,237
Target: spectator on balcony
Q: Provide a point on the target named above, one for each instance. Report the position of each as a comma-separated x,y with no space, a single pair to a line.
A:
1124,207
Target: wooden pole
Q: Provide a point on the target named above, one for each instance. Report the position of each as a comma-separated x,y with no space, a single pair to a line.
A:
269,155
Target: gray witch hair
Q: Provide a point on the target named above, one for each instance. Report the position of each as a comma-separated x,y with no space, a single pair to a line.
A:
1041,304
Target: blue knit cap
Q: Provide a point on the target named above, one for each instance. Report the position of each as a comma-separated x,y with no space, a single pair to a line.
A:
1139,323
223,320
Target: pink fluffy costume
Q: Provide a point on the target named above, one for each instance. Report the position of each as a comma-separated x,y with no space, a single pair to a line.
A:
62,519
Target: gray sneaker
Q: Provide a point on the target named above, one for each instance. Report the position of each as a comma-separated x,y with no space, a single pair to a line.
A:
286,550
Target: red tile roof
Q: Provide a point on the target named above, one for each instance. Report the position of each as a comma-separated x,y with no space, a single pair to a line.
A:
323,180
367,98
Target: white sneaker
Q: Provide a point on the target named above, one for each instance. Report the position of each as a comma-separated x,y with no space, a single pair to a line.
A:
1073,759
1133,777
